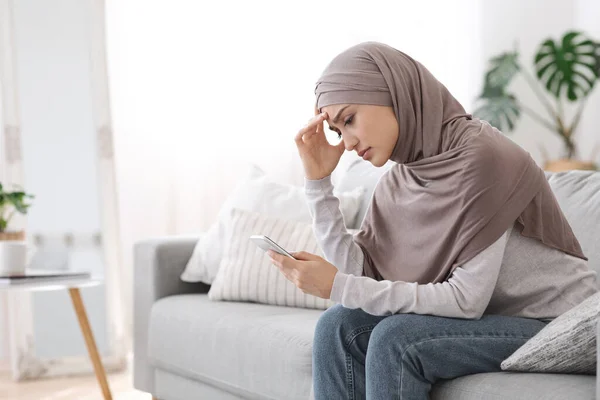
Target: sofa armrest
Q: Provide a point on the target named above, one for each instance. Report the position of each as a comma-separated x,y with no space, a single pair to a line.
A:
158,264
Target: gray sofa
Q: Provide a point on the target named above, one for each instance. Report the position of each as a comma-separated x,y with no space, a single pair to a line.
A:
187,347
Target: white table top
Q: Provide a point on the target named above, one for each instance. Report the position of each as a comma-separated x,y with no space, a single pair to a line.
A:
52,283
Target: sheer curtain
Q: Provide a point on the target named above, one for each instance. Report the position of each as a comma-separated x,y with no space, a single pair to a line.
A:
200,89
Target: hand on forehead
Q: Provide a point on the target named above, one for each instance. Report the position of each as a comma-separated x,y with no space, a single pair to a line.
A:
334,112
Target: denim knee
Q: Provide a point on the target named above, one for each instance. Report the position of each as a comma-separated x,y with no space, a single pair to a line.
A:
401,329
338,324
330,325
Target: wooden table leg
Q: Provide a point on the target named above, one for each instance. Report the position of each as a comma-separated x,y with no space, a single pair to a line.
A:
90,342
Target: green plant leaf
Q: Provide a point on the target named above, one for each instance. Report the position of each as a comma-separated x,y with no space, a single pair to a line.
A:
18,201
570,66
503,68
501,111
597,58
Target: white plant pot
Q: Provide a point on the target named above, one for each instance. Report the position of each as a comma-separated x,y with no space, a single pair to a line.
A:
13,257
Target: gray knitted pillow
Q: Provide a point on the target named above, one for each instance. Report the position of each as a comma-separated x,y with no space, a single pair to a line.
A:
565,345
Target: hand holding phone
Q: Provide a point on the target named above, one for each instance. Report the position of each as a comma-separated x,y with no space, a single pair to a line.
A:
265,243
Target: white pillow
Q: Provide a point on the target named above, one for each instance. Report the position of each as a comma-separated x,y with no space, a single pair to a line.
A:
246,272
256,192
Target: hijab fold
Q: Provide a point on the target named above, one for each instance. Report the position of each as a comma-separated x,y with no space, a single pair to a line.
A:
458,183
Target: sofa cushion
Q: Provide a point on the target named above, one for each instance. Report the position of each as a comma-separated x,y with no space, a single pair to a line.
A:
259,193
252,350
516,386
578,194
246,272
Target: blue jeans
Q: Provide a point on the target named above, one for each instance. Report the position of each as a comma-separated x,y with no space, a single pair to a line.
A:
357,355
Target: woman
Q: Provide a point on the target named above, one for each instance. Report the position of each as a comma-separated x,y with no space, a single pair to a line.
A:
464,253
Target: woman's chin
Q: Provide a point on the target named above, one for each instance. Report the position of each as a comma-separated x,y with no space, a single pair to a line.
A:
376,161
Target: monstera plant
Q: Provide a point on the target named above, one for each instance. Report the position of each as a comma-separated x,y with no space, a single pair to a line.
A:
568,71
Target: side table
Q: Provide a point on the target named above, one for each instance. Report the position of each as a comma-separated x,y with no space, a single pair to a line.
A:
72,284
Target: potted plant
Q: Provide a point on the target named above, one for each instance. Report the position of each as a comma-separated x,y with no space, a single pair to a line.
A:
11,202
568,71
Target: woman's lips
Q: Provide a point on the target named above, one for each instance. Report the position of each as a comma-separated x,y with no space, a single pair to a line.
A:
364,153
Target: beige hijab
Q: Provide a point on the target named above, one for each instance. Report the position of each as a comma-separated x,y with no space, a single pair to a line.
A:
458,184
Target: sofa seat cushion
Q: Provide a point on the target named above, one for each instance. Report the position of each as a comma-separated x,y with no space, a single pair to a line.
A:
259,351
252,350
516,386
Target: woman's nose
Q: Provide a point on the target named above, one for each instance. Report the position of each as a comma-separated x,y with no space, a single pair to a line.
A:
349,145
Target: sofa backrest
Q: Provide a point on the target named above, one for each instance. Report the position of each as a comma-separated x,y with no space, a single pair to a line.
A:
577,192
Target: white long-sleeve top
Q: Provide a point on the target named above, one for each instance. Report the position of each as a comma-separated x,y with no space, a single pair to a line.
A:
516,275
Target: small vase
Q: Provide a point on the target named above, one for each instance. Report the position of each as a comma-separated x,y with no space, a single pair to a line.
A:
566,164
13,253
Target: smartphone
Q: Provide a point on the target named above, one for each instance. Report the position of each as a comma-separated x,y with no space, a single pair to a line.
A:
265,243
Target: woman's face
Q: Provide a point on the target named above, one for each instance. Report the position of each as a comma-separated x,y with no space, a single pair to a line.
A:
372,131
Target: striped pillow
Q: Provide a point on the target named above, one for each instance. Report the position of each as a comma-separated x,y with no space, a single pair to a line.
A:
246,272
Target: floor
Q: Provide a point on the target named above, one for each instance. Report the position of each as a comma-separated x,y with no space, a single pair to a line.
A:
80,388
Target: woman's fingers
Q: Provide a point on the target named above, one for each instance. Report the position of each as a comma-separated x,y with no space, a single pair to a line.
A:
285,264
311,127
304,255
313,123
320,125
278,259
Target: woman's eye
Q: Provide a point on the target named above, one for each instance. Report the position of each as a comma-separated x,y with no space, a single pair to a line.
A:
348,121
339,135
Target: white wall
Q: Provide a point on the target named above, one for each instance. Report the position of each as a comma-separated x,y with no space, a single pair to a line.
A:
587,18
506,22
